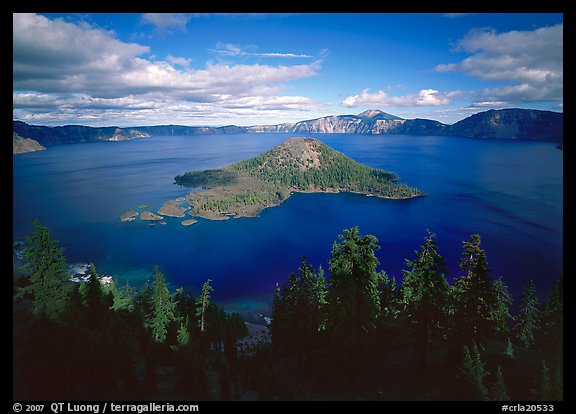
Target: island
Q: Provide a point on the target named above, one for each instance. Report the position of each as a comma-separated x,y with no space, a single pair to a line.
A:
149,216
129,216
303,165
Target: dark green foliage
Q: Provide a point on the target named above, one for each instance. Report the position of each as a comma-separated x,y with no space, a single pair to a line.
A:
552,319
425,294
298,311
390,296
499,391
206,179
123,300
509,350
501,310
183,336
528,316
336,171
49,282
270,177
93,296
545,385
353,298
161,308
351,337
203,304
473,296
474,371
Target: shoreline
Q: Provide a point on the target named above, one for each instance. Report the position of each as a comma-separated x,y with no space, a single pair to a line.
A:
256,210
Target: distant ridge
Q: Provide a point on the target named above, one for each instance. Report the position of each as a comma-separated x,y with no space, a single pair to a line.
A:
530,124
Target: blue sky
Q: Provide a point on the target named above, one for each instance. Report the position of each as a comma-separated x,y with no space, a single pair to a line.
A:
247,69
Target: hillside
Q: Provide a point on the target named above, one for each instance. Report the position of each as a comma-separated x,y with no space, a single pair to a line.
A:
22,145
512,123
504,123
247,187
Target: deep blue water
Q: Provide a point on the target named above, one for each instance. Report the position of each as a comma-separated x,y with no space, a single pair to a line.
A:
509,192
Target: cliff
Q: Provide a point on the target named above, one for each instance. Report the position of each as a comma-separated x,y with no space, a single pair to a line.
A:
22,145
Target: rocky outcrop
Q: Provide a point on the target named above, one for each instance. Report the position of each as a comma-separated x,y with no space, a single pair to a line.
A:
149,216
22,145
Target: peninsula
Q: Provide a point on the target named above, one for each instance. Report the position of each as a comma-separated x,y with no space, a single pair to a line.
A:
305,165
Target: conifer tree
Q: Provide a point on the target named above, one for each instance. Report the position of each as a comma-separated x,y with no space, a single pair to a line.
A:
501,311
545,386
528,316
473,370
353,307
551,331
162,308
297,311
49,280
509,350
473,296
425,294
183,335
389,296
122,300
499,391
203,304
93,295
353,297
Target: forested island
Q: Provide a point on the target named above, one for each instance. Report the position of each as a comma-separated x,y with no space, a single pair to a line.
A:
350,333
247,187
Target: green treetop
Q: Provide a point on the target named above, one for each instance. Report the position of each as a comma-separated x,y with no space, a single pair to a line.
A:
49,280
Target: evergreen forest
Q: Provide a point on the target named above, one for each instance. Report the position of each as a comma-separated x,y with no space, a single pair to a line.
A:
345,331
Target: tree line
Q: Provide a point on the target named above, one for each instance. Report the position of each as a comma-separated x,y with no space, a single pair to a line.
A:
343,324
350,332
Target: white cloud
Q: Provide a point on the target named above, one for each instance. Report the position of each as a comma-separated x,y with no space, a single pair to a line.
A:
532,61
233,50
65,70
425,97
167,22
184,62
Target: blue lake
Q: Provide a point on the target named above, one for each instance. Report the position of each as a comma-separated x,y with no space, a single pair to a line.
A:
508,192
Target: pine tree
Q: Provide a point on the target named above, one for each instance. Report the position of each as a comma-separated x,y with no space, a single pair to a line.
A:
389,296
473,296
122,300
183,335
528,316
473,370
353,307
551,333
49,280
353,297
298,311
93,295
425,293
499,391
162,308
501,311
509,350
203,304
545,386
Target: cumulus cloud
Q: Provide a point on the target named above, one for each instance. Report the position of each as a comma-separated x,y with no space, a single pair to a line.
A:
69,69
532,61
167,22
425,97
